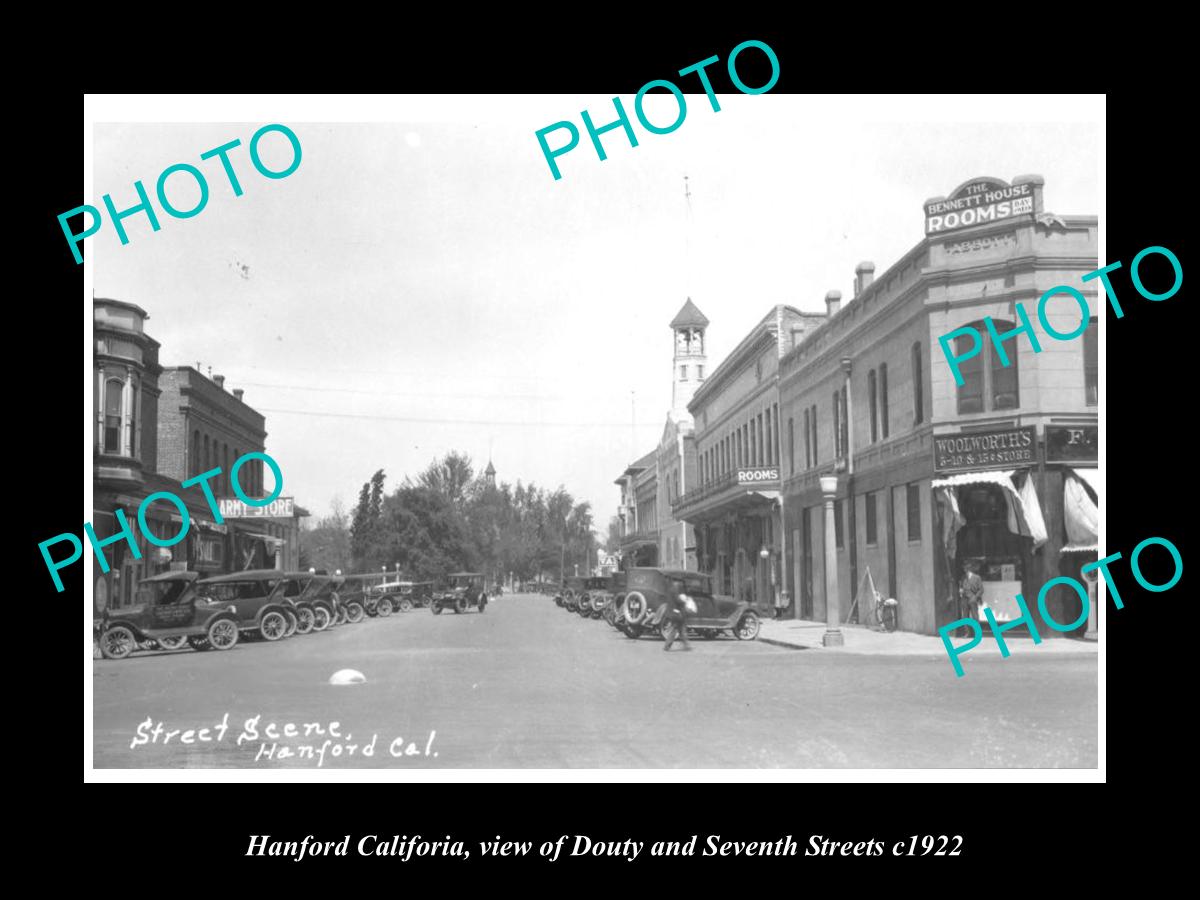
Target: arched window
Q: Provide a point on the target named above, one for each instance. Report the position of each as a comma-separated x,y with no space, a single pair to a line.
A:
194,462
112,415
207,458
918,378
987,385
225,466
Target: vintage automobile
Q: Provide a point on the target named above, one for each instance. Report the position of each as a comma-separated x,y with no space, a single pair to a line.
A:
352,597
594,597
614,608
169,618
321,594
459,592
645,606
257,597
291,588
399,596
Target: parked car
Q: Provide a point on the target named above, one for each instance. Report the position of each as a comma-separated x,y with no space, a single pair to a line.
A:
645,605
459,592
257,597
594,596
320,593
171,618
352,596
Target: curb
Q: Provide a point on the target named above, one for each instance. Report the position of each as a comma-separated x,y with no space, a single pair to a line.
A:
778,643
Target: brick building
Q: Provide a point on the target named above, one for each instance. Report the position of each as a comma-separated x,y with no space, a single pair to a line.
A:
733,503
202,426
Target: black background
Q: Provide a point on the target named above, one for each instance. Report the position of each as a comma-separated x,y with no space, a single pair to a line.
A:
156,835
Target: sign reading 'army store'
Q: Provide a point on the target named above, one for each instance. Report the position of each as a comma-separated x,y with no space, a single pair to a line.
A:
1006,448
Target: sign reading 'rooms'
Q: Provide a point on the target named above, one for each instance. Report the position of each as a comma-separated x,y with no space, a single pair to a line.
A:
977,201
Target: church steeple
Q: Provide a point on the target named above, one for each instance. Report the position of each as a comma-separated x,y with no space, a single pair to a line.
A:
489,474
690,359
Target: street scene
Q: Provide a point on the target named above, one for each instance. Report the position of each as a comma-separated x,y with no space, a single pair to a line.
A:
530,685
454,488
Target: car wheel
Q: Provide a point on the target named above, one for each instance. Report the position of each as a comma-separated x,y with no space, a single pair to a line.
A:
177,642
321,618
293,624
117,642
304,620
437,608
199,643
460,605
384,607
666,630
636,607
354,613
223,634
273,626
748,627
343,615
405,604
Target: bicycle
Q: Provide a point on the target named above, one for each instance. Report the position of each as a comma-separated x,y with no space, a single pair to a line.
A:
886,613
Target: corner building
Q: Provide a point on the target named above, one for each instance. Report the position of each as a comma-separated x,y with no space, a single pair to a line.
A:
1001,471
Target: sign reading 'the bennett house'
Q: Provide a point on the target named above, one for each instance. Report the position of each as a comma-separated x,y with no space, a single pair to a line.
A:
1006,448
279,508
980,200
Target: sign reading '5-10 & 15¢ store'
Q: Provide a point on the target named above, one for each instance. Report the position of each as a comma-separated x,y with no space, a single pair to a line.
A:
1005,448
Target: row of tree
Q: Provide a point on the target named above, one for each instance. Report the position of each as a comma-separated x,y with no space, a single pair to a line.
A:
447,520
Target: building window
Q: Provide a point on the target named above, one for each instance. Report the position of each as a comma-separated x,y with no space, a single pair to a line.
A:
914,512
776,447
872,520
837,523
813,423
699,373
194,462
768,444
791,449
987,380
918,386
1091,372
872,398
112,415
807,442
845,423
683,372
753,445
837,425
763,455
883,401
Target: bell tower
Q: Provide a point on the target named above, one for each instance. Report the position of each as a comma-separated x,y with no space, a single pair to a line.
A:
690,360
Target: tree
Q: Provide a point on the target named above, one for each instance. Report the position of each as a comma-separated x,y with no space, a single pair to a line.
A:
613,542
326,545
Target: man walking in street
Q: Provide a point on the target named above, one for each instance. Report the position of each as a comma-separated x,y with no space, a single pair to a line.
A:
677,615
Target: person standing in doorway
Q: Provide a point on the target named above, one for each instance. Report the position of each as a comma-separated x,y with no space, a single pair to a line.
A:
970,593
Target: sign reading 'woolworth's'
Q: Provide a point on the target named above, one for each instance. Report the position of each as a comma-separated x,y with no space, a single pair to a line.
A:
1002,449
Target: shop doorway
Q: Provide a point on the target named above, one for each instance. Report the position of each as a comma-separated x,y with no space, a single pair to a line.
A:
987,539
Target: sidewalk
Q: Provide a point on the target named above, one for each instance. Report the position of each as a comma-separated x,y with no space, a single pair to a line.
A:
803,634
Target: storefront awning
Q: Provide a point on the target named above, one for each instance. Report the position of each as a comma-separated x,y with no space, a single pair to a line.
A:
1024,511
258,536
1080,513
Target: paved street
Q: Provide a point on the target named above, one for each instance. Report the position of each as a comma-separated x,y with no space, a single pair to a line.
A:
528,685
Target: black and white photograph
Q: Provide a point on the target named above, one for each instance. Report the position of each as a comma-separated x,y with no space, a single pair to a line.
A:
587,437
